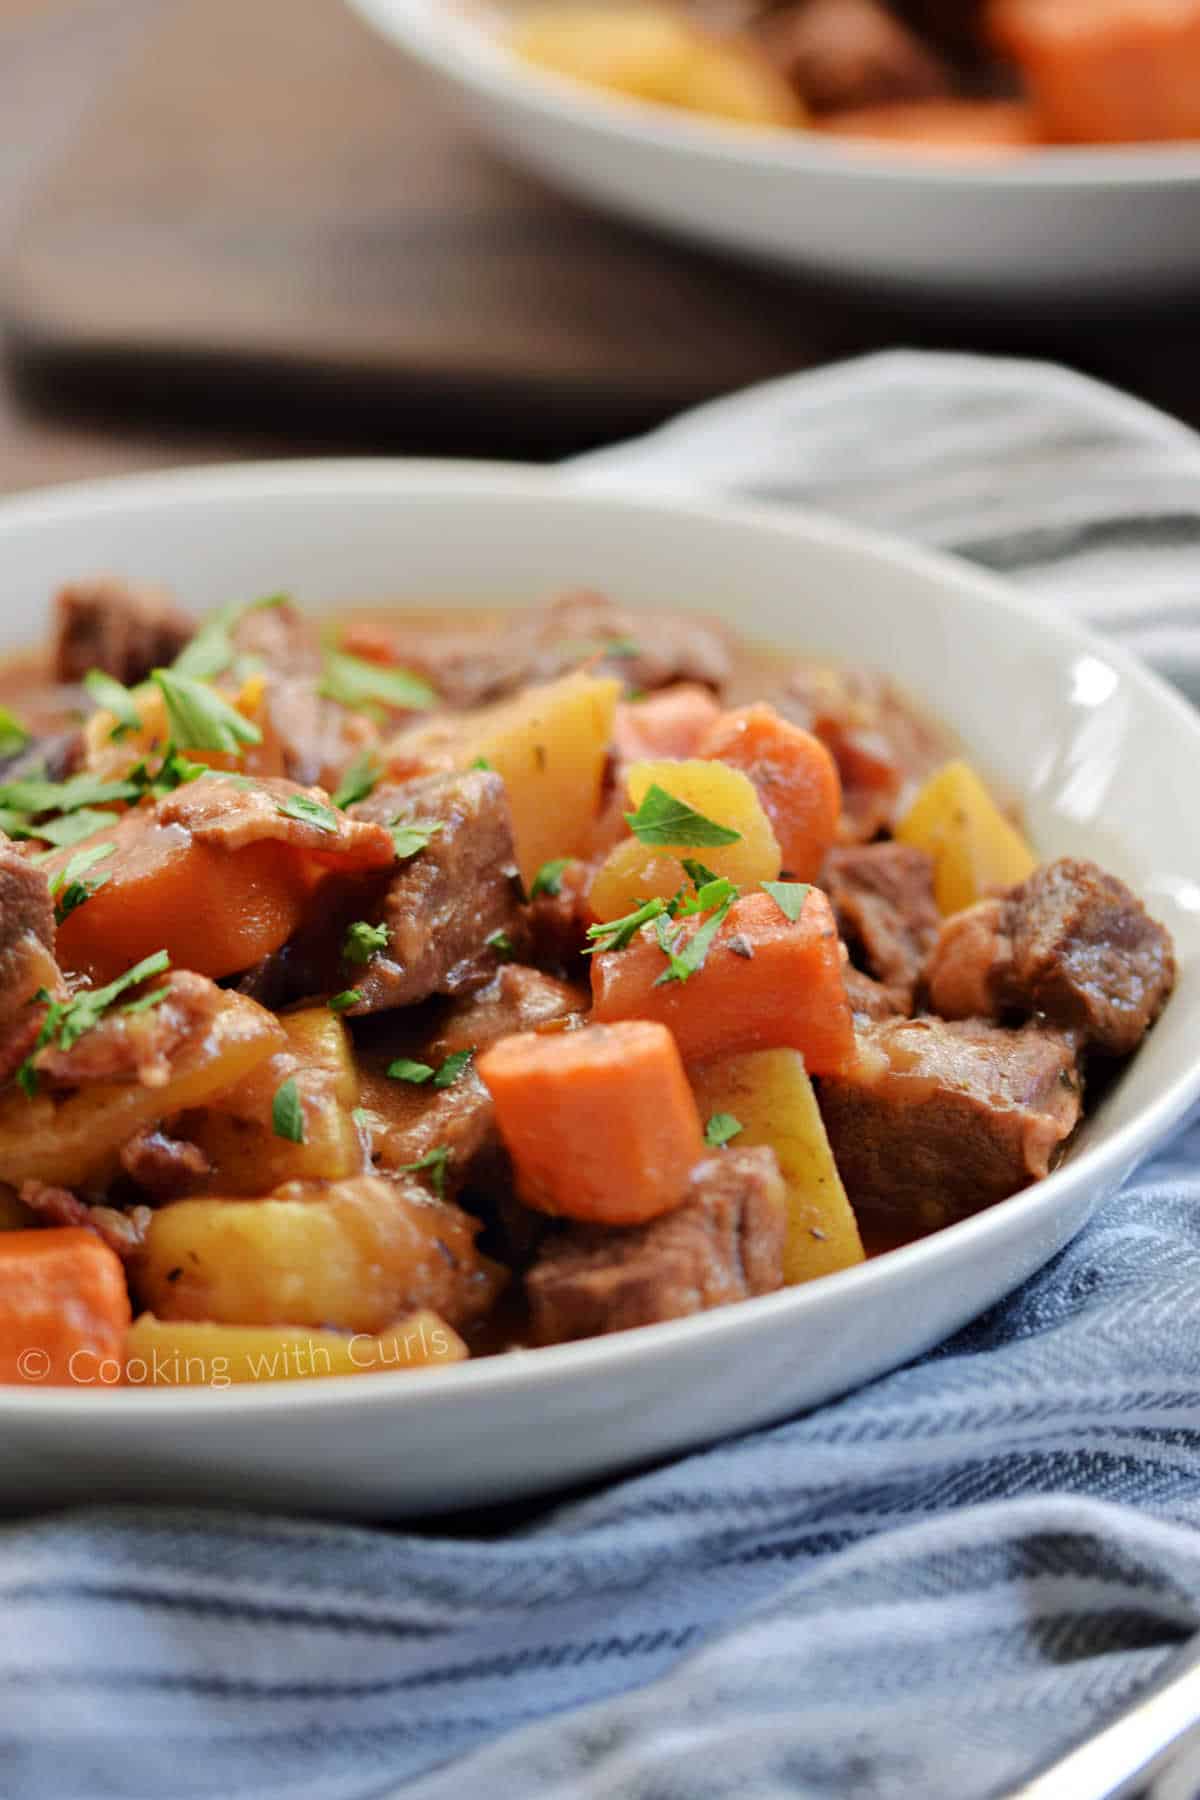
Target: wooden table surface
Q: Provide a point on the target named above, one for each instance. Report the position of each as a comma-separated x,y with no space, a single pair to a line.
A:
106,130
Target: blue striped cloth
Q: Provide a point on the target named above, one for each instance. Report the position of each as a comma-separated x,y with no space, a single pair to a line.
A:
921,1591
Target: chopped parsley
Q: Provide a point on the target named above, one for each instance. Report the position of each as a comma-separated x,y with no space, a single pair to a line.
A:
67,1021
721,1128
453,1067
714,893
69,890
434,1161
200,719
362,1118
356,682
548,879
213,650
360,780
287,1112
342,1002
114,697
789,896
72,828
35,794
364,941
414,837
673,824
617,933
481,762
307,811
13,735
687,959
698,873
502,944
418,1073
404,1069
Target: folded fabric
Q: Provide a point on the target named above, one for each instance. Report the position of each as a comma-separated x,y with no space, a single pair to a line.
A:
923,1590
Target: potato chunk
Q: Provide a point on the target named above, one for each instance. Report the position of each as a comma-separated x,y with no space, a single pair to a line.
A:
355,1255
634,871
975,849
550,745
237,1133
176,1353
73,1141
770,1095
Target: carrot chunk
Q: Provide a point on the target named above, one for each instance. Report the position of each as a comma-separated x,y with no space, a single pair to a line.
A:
768,983
600,1123
796,778
64,1309
672,722
213,911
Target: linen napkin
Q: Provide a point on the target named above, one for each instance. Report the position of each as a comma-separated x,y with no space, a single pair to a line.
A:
923,1590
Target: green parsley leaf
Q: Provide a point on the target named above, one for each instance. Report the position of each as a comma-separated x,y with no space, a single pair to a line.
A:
481,762
361,1117
15,824
502,944
72,828
677,969
342,1002
115,698
720,1128
356,682
175,771
67,1021
663,820
404,1069
697,873
212,650
453,1068
548,879
691,958
35,795
789,896
364,941
68,887
412,838
287,1112
307,811
360,780
714,893
199,718
616,933
13,735
435,1161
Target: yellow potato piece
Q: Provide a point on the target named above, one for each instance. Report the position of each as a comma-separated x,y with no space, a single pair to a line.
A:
634,871
73,1142
770,1094
975,849
237,1133
654,53
176,1353
549,743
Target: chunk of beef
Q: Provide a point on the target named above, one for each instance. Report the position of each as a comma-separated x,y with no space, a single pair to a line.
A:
882,896
318,738
557,924
1069,944
123,1229
462,1117
285,640
724,1243
870,999
844,53
52,757
469,666
446,905
645,650
883,747
941,1120
164,1167
230,814
124,630
26,954
138,1046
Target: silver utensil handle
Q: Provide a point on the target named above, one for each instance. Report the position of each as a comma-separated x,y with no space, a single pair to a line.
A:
1122,1758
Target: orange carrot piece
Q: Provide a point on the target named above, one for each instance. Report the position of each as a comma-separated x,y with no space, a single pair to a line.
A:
796,778
64,1309
768,983
600,1123
1106,71
214,911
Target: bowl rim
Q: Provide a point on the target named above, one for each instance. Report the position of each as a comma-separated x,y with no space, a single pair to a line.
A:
453,40
511,1373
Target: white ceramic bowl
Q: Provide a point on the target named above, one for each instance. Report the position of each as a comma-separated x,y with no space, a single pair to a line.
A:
1080,225
1104,754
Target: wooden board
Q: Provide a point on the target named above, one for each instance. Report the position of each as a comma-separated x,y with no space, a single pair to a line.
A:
275,212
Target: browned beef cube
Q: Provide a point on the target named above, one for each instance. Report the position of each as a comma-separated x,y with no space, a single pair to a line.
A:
882,895
870,999
1070,944
26,953
841,53
645,650
282,637
126,631
317,737
446,904
724,1243
941,1120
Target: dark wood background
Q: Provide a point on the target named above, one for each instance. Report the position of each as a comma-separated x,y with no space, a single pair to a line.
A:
237,227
